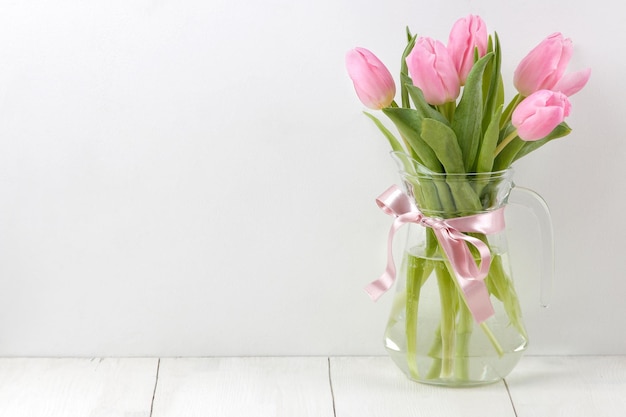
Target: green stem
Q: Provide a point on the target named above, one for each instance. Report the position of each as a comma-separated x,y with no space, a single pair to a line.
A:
448,109
492,338
418,270
447,295
506,115
464,329
505,142
508,154
465,326
506,291
435,349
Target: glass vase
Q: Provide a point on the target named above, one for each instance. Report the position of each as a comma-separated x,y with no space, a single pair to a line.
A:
432,335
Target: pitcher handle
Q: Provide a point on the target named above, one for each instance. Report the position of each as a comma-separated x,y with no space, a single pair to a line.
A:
537,205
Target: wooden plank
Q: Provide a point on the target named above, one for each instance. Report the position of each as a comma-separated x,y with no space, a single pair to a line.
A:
76,387
373,386
569,386
243,387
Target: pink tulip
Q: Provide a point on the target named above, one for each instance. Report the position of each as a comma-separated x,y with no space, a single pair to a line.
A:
539,113
372,80
544,68
467,34
432,69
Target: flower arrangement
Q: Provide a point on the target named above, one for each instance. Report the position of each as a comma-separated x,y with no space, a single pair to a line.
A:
458,89
452,122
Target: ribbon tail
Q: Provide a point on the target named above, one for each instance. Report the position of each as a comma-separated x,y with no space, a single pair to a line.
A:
477,299
467,274
377,288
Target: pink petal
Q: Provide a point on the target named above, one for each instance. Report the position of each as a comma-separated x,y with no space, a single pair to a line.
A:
467,34
572,83
541,123
432,70
372,81
544,65
538,114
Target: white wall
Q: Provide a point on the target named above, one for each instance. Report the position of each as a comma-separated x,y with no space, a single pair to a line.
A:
196,177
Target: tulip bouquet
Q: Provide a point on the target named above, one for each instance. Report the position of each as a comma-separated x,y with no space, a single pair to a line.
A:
458,88
452,121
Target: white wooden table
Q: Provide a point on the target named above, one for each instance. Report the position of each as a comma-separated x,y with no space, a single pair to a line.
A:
300,387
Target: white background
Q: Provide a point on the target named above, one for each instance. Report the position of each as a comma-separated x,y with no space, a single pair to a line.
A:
196,177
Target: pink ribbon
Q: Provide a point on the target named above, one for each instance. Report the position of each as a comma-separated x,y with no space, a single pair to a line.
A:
449,233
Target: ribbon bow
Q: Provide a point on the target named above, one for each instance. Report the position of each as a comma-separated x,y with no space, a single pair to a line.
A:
453,241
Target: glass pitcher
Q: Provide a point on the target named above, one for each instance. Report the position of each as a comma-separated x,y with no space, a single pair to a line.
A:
439,332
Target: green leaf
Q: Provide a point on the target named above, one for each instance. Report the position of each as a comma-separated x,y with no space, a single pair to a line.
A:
467,123
489,70
506,155
395,143
404,71
484,163
506,115
417,96
409,124
443,142
493,90
500,99
519,148
456,194
561,130
409,36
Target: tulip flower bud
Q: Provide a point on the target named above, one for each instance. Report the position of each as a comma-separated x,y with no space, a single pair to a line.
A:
467,34
539,113
372,80
432,70
544,68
